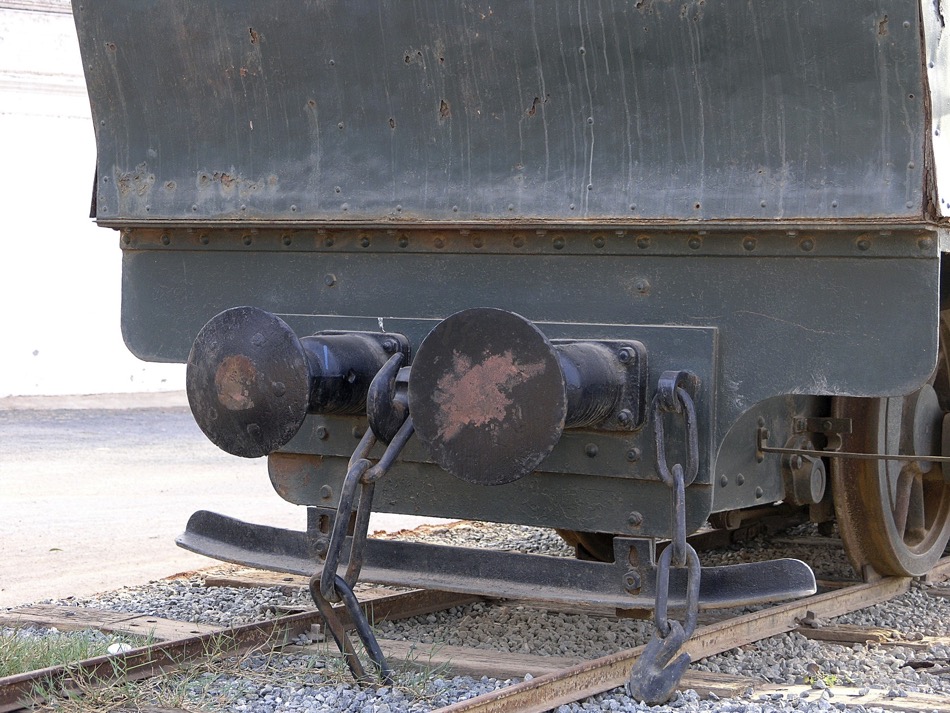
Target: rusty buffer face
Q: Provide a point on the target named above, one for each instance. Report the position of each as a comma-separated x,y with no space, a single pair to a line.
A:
487,396
247,380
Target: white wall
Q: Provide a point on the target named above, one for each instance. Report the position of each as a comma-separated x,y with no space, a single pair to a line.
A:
59,273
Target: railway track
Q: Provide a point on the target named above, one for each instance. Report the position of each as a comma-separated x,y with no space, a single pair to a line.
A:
549,681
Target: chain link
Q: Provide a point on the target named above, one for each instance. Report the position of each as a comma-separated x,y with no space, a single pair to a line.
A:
326,586
655,674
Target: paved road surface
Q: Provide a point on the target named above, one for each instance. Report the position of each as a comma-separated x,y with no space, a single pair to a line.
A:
91,499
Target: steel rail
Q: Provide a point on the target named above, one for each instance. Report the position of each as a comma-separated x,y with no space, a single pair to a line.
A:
600,675
25,689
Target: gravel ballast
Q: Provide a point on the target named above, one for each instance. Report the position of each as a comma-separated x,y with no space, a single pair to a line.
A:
313,678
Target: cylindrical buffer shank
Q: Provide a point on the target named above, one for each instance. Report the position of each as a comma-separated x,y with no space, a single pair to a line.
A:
251,381
490,394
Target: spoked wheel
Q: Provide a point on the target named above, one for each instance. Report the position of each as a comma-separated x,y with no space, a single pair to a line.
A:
894,516
596,546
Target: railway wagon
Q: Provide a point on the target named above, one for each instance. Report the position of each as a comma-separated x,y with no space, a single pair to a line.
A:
615,268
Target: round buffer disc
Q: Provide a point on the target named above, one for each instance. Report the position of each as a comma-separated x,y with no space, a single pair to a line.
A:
248,381
487,396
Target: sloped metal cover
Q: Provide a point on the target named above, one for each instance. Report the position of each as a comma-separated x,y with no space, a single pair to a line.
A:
349,111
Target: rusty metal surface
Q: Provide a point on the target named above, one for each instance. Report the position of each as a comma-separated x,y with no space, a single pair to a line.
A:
19,691
480,111
547,692
487,396
248,382
251,381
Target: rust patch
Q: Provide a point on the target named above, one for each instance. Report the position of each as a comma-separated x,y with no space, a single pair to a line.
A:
233,381
445,111
479,394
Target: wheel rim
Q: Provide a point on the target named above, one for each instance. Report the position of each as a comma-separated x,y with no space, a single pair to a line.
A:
894,516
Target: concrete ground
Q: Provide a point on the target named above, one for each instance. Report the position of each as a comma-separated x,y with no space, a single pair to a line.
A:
94,490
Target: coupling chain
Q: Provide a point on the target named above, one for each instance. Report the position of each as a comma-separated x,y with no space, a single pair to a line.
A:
655,674
327,586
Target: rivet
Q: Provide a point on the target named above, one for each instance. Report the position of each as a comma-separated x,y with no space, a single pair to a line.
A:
203,239
287,240
254,431
293,209
390,346
344,207
511,207
357,432
740,479
807,245
643,242
749,243
247,240
695,243
642,285
762,204
624,355
864,244
326,492
329,280
322,433
635,519
591,450
328,241
909,204
477,242
243,207
558,243
518,241
340,125
399,209
759,493
723,481
624,417
590,120
127,238
572,206
194,206
364,241
337,189
631,581
403,242
165,239
599,242
834,204
279,388
439,242
455,209
925,243
633,455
